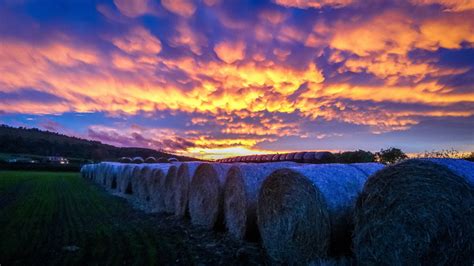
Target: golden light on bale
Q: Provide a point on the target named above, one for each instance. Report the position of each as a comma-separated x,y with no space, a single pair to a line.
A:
417,212
180,186
306,212
206,194
240,197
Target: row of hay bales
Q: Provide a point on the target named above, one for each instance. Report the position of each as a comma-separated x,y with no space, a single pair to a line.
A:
414,212
298,157
151,159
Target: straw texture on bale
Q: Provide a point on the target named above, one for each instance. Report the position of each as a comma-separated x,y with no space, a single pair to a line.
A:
112,172
141,187
206,195
157,186
125,184
168,189
417,212
240,197
180,186
306,212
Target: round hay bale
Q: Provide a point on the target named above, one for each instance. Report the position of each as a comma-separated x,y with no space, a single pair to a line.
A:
276,157
88,171
308,157
138,160
299,157
157,185
417,212
141,187
169,192
306,212
162,160
173,160
83,170
125,160
206,195
125,185
180,186
150,159
240,197
324,157
290,156
112,172
282,157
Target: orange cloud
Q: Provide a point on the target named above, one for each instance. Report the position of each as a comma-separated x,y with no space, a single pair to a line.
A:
273,16
138,41
133,8
184,8
449,5
314,3
186,36
230,52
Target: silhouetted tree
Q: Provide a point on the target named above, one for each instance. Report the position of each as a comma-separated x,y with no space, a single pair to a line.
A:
358,156
390,155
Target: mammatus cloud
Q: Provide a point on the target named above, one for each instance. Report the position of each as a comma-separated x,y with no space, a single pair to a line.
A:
449,5
314,3
185,8
133,8
230,52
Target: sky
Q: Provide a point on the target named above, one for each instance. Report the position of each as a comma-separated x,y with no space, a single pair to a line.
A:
215,78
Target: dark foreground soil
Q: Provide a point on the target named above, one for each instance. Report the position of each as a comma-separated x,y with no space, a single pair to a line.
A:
59,218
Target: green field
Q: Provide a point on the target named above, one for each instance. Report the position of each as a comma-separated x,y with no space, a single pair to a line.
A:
44,216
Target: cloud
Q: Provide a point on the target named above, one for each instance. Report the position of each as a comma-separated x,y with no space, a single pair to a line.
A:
239,74
187,37
230,52
314,3
449,5
135,136
184,8
133,8
138,41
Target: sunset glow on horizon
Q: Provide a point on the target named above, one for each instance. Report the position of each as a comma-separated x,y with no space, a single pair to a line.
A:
215,78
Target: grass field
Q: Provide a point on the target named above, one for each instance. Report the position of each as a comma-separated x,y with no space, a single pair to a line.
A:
45,215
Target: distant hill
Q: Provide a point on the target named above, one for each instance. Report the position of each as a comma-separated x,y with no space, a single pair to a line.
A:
45,143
